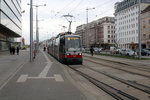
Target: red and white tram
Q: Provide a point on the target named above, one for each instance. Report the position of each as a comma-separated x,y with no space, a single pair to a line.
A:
66,48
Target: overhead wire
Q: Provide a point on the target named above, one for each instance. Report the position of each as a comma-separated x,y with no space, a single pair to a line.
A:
76,6
98,7
106,11
65,7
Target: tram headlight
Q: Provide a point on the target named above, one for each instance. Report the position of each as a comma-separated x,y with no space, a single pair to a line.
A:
79,53
67,54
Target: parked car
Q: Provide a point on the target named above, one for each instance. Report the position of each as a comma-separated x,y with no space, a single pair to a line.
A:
83,50
128,52
97,50
147,49
144,52
117,51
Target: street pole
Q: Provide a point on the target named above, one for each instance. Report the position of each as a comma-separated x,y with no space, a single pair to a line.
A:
37,31
31,32
87,13
139,26
37,28
87,36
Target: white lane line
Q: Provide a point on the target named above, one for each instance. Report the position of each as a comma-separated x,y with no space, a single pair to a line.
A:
41,78
58,78
22,78
47,59
45,70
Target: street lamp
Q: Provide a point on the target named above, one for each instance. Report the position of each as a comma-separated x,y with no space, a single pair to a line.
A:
87,9
87,36
139,35
37,31
31,28
31,32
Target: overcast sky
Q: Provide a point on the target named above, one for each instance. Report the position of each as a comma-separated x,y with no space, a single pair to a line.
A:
51,17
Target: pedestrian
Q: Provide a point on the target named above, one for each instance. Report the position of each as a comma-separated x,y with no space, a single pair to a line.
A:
34,54
17,50
44,48
91,50
10,49
13,50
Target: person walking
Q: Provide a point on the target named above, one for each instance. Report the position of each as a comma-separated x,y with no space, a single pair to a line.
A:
17,50
91,50
10,49
44,49
13,50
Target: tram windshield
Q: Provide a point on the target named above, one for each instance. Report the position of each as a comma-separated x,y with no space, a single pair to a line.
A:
73,44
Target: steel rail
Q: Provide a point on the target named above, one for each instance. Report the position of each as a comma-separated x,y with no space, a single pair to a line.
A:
115,93
135,85
120,69
123,63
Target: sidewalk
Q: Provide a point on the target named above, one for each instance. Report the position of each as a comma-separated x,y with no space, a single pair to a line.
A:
41,79
117,59
9,64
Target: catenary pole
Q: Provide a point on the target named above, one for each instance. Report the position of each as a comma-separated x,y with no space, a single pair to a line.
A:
139,26
31,32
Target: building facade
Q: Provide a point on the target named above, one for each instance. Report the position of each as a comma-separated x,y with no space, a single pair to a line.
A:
80,30
127,24
145,27
106,32
99,33
10,22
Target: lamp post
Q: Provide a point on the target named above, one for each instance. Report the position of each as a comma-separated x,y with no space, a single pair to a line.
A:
87,9
37,31
31,32
87,36
139,35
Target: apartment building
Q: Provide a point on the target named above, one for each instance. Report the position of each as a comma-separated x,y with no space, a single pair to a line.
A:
98,33
145,27
80,30
10,22
126,21
107,31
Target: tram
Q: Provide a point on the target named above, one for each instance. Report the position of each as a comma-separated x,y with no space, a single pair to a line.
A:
66,48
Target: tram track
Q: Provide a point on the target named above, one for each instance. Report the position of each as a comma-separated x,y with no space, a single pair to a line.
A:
135,66
115,93
133,84
145,74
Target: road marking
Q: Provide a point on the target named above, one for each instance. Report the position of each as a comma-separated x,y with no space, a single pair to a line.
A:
43,74
45,70
58,78
23,78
